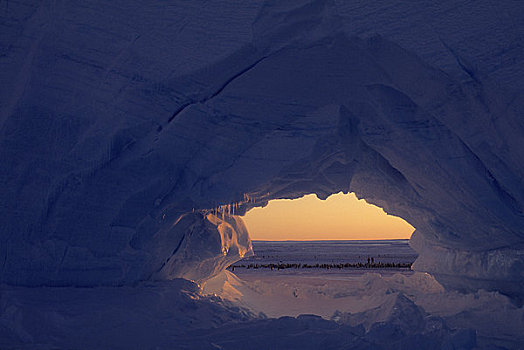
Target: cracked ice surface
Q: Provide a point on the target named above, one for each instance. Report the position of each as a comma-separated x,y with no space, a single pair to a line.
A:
123,122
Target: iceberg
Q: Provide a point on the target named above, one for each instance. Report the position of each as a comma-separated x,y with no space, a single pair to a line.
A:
126,129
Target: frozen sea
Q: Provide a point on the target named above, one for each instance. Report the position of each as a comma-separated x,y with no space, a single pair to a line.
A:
356,308
289,278
370,296
326,259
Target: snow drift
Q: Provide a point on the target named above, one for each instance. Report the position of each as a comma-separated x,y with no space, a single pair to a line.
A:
124,125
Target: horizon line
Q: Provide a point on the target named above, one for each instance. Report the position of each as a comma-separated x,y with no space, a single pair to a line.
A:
326,240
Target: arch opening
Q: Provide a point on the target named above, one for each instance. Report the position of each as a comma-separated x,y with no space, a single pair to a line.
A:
308,252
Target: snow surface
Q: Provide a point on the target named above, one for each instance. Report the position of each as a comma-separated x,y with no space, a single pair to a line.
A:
148,316
374,312
413,302
329,252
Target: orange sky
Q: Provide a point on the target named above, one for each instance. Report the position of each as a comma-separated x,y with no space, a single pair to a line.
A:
338,217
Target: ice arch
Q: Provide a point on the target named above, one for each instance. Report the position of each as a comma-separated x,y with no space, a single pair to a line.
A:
118,146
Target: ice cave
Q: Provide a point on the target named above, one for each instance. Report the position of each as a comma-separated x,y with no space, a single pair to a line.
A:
134,136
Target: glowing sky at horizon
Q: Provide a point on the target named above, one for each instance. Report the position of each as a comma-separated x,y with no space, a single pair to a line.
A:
341,216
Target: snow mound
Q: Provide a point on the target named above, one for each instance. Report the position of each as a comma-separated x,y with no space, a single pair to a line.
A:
146,316
396,310
313,332
411,305
174,315
399,322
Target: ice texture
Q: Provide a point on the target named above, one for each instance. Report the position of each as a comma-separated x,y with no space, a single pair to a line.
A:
208,245
375,312
172,315
147,316
124,125
391,308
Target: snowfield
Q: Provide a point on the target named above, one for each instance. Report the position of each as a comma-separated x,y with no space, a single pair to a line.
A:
260,309
413,303
365,312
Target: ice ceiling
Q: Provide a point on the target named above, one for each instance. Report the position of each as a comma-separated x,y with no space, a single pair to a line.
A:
123,128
